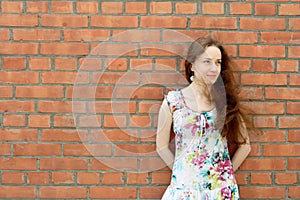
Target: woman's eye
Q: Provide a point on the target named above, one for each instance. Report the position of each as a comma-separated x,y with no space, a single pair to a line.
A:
206,61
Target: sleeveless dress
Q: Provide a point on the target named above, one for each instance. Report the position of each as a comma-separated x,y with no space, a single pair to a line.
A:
202,168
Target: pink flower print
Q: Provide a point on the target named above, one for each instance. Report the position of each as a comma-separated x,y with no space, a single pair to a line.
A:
226,193
199,160
195,124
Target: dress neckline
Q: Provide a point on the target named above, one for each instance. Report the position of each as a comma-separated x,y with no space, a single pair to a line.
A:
185,105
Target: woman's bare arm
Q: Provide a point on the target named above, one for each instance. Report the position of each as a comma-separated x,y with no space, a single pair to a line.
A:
163,134
243,150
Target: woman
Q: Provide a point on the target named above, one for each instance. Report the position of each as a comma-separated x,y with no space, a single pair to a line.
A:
205,116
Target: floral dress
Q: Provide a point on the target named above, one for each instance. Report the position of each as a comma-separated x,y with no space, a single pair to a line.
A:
202,168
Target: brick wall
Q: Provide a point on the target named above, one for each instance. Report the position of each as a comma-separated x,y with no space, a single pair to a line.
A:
82,82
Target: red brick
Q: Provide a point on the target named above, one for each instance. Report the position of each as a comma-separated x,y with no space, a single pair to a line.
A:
294,79
37,6
112,178
14,63
116,78
289,9
264,164
294,192
240,8
251,93
264,121
237,38
114,21
163,50
134,150
65,64
269,136
11,7
87,64
112,7
61,135
89,121
65,77
18,20
152,192
63,164
19,77
137,178
262,192
61,107
136,36
16,106
293,52
171,78
4,149
61,7
14,120
293,163
18,164
255,150
163,21
293,108
289,122
281,150
38,178
282,93
136,7
149,107
114,163
64,49
37,149
86,35
262,51
152,164
9,192
64,121
261,178
213,22
161,177
114,121
264,24
87,149
64,20
15,48
212,8
63,192
113,192
41,35
112,107
169,35
264,79
139,92
287,66
39,92
286,178
141,64
161,7
186,7
163,64
4,34
265,107
88,178
294,136
6,91
280,37
263,66
241,177
87,7
39,63
148,135
114,49
294,24
18,135
39,121
62,178
113,135
265,9
90,92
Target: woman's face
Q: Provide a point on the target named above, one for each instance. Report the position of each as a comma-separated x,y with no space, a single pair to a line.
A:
207,66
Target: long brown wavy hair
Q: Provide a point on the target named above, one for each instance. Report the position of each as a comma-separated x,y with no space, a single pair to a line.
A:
231,115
